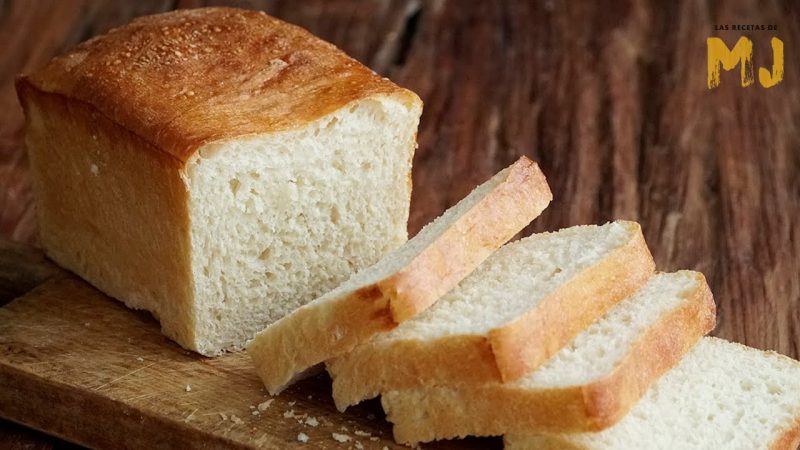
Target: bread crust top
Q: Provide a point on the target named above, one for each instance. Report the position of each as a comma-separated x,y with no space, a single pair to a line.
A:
186,78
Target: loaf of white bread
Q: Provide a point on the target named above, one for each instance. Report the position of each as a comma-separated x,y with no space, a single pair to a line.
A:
221,169
217,167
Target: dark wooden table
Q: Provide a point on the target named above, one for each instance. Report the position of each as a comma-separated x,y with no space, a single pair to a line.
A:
609,97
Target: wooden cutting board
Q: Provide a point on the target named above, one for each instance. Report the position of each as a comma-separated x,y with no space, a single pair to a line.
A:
79,365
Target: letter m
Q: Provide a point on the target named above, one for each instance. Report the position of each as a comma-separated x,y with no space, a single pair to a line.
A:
720,56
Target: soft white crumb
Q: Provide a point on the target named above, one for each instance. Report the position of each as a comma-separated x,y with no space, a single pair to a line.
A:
223,416
252,407
140,359
312,421
95,170
264,405
255,412
288,414
236,420
373,438
361,433
302,437
188,388
338,437
359,445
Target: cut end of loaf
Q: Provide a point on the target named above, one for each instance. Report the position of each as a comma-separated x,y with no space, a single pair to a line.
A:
279,219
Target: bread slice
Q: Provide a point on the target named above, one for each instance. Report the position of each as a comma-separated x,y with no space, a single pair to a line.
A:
406,281
217,167
722,395
508,317
589,385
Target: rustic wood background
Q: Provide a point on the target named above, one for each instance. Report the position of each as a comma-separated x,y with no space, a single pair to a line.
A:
610,97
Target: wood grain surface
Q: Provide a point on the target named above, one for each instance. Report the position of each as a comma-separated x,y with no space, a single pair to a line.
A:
609,96
86,364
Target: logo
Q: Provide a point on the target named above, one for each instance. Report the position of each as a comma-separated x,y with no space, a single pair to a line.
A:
721,57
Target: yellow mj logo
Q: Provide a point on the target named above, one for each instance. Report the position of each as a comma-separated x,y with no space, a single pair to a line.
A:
742,54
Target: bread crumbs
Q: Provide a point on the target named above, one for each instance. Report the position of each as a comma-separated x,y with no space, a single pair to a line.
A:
264,405
338,437
312,421
302,437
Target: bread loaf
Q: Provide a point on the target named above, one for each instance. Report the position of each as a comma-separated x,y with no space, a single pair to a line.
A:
217,167
404,282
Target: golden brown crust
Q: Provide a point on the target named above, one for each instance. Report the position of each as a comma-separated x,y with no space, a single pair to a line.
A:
493,221
790,438
324,330
184,78
472,360
497,408
68,145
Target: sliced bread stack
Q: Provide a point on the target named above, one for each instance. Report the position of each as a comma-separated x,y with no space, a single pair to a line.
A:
404,282
566,339
513,313
588,384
